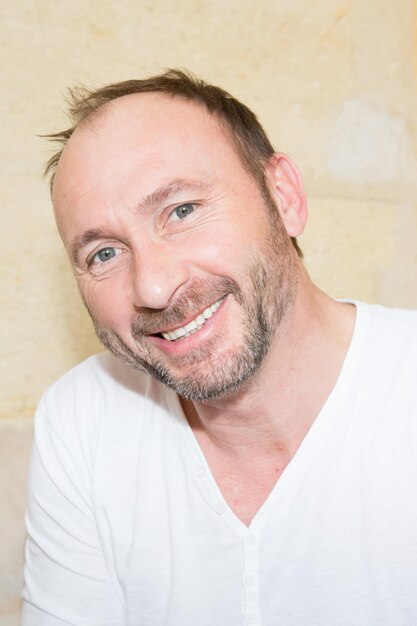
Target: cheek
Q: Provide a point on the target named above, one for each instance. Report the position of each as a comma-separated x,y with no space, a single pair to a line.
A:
107,302
223,249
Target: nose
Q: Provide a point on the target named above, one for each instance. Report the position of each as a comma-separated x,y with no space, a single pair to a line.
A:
157,275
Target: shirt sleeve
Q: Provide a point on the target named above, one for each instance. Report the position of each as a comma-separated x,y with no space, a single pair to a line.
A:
67,578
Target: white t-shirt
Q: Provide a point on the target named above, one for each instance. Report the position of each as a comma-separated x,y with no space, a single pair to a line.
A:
127,525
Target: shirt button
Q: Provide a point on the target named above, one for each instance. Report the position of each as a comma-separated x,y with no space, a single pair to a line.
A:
201,471
252,619
250,581
220,508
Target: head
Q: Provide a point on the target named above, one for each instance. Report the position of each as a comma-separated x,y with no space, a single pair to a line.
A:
170,200
240,123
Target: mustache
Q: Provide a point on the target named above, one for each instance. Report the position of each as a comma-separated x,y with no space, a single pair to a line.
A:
197,297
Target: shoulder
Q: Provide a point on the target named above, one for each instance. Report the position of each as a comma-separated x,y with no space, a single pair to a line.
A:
100,371
394,317
101,376
98,391
388,352
390,329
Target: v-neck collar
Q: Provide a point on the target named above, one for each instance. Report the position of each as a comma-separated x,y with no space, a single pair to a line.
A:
317,435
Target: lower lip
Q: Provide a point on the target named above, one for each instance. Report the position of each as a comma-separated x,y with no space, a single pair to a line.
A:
195,339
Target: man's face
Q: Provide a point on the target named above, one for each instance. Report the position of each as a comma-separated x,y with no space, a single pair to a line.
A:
181,260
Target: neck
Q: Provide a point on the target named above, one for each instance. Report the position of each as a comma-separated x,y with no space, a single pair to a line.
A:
274,410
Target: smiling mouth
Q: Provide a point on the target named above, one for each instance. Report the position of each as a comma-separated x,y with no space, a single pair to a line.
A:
192,327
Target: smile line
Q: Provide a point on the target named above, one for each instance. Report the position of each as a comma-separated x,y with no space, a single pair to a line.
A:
195,324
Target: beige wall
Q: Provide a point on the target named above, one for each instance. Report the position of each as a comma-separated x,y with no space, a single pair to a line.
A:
334,83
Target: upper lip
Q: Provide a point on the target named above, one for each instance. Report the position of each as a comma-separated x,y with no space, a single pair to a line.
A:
186,320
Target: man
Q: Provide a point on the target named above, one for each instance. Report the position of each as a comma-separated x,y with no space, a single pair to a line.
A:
264,473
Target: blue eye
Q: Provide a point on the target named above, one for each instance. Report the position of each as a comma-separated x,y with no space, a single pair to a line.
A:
104,255
183,210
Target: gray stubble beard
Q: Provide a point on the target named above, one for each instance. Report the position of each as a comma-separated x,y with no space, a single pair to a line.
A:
273,286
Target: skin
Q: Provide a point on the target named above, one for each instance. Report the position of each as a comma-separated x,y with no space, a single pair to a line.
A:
125,183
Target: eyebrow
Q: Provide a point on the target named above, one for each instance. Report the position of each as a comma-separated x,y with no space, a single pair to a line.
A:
163,192
149,201
87,237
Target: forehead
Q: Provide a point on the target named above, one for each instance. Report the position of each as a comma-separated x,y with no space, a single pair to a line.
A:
147,136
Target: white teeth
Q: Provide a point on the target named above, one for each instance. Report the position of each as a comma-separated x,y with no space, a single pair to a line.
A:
194,325
190,326
207,313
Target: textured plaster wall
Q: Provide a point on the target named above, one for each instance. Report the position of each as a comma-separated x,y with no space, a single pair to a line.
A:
334,82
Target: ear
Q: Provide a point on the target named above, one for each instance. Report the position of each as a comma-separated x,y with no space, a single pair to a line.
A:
287,189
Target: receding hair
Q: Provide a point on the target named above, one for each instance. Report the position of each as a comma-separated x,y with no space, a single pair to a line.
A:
245,130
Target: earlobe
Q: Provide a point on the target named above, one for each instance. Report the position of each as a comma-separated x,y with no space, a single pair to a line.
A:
288,192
